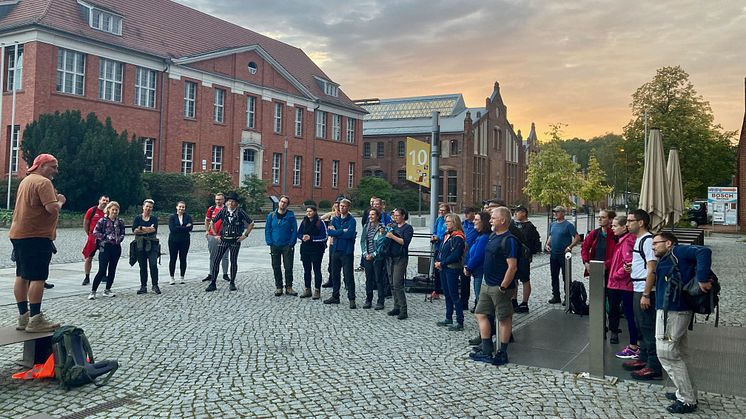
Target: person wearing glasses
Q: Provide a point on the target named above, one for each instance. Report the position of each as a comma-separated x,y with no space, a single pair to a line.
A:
400,234
562,238
599,243
620,289
147,247
109,234
642,271
450,263
343,229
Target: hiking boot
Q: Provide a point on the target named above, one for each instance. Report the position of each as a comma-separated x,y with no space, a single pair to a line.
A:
207,278
109,293
614,338
352,304
278,292
628,353
92,295
482,357
327,284
368,304
226,277
22,321
48,285
634,365
379,306
306,293
232,286
289,291
332,300
445,322
522,308
39,323
316,294
647,374
475,341
156,289
555,300
86,281
671,396
456,328
501,358
142,290
402,315
393,312
681,407
172,281
211,287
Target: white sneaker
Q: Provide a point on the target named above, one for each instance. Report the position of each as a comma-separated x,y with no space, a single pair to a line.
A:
109,293
181,281
92,295
172,281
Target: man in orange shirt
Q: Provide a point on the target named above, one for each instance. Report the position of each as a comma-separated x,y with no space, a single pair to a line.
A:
34,228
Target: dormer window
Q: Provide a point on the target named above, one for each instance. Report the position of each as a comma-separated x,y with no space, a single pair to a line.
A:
330,89
102,20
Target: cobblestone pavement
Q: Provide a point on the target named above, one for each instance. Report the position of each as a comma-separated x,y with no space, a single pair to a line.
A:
190,354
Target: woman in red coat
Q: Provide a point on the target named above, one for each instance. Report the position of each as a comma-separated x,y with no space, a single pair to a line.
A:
620,287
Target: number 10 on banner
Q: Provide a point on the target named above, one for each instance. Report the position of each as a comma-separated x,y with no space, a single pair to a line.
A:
418,162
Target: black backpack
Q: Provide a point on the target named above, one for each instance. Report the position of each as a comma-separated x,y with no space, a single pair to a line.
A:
694,298
74,364
578,299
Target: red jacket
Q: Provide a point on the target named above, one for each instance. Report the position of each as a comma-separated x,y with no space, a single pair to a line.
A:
589,247
619,279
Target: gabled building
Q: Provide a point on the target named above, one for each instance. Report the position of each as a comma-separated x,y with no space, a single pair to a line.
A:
481,155
202,94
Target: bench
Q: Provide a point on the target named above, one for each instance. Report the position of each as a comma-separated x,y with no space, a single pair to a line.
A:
36,346
688,235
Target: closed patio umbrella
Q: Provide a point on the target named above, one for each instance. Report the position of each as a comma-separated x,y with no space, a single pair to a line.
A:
675,188
654,196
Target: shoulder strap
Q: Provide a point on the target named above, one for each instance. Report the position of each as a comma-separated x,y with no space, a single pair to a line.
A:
641,251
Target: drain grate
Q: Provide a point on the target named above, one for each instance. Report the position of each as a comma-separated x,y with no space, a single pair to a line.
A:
103,407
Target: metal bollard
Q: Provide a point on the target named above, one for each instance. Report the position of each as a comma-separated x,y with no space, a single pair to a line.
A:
597,321
567,277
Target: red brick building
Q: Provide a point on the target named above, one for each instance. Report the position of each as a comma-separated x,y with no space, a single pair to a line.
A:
201,93
481,155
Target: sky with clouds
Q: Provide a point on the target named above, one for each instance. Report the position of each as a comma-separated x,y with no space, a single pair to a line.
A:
576,62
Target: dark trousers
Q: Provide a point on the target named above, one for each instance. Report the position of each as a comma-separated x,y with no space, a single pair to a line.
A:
177,247
645,321
284,254
450,279
145,260
343,262
617,300
438,281
397,269
231,246
556,264
374,279
107,265
312,263
464,283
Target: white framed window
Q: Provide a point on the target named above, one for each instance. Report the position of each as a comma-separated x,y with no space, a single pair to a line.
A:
350,175
14,79
250,112
14,149
299,122
110,80
219,108
335,173
217,158
350,130
278,117
336,127
190,99
317,173
320,124
145,87
147,149
70,71
187,158
103,20
297,165
276,166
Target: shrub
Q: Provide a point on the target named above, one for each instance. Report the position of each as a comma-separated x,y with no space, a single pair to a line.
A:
309,202
325,204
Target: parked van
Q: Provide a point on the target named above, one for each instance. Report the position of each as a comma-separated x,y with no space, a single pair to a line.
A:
698,213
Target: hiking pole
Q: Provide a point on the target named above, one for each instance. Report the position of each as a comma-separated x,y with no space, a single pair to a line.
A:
567,277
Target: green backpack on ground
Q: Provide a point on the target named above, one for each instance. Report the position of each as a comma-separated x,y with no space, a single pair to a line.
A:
74,364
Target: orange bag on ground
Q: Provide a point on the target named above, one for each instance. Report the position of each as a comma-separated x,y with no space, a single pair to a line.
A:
45,370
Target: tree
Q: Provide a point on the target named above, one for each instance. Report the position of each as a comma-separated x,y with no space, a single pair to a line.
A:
685,119
552,176
593,187
94,159
252,193
371,186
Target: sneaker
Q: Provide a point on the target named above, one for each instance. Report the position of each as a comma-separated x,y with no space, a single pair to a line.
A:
92,295
634,365
368,304
109,293
522,308
445,322
211,287
378,306
681,407
278,292
142,290
332,300
435,296
86,281
48,285
39,323
628,353
226,277
22,321
207,278
352,304
393,312
232,286
456,328
156,289
646,374
181,280
555,300
172,281
482,357
501,358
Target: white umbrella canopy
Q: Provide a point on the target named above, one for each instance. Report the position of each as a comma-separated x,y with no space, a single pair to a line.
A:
675,188
654,196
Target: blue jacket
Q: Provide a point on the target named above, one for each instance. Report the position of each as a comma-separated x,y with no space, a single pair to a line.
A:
470,232
281,231
474,262
694,263
452,251
344,234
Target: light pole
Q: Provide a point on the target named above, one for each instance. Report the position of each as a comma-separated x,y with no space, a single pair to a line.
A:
626,180
285,167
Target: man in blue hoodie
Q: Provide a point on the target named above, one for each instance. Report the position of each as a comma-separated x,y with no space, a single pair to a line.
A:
342,229
691,263
280,233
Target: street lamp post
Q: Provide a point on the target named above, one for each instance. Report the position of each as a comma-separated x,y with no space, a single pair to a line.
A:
626,180
285,167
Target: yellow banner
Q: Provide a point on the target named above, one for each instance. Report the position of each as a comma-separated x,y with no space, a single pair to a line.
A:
418,162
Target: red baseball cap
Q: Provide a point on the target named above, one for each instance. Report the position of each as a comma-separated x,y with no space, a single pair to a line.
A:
40,160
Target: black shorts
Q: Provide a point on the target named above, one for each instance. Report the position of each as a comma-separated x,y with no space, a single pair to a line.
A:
32,258
524,271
